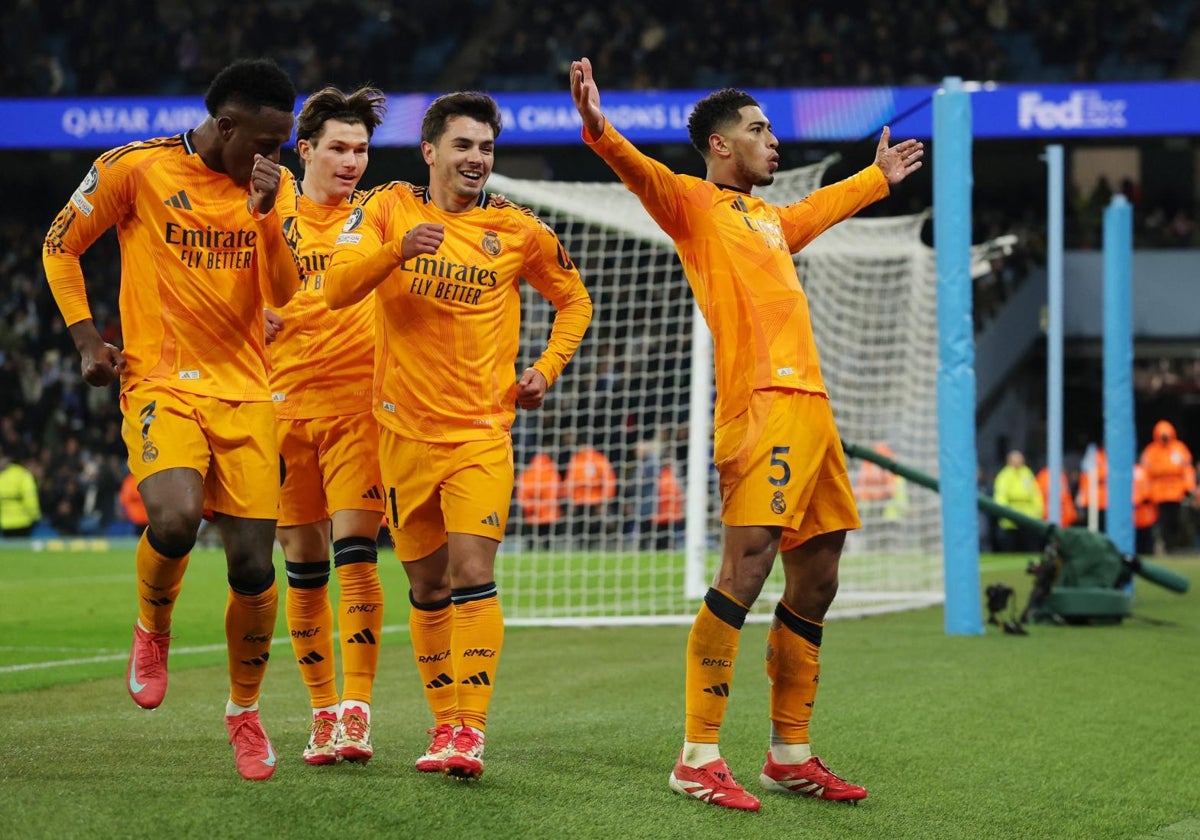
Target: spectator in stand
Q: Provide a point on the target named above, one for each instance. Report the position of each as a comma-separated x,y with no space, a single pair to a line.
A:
1068,515
20,508
1016,487
132,506
1168,464
590,488
66,505
540,495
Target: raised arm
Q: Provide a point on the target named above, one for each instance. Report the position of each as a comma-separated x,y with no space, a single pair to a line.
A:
658,188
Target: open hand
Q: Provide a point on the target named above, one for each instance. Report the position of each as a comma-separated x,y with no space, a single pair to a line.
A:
899,161
586,96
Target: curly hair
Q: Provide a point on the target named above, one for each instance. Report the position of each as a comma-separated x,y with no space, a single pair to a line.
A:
366,107
468,103
714,113
253,83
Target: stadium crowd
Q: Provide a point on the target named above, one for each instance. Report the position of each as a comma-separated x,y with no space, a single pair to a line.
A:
69,435
80,49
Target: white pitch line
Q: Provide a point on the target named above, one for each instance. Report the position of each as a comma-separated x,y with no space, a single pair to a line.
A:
119,657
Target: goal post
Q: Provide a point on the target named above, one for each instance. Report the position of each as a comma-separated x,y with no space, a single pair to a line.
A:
639,391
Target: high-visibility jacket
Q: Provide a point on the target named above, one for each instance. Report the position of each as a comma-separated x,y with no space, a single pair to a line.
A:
1145,509
19,506
670,497
540,491
1067,510
1084,496
874,483
1168,462
1016,487
591,479
131,501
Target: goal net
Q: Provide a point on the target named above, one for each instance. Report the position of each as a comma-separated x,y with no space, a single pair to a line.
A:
640,544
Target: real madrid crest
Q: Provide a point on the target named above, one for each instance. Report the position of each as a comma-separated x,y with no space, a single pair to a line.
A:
778,503
491,243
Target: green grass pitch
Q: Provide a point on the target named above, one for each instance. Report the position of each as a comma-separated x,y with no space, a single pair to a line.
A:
1072,732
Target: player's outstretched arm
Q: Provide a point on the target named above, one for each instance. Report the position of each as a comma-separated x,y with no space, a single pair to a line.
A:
899,161
587,96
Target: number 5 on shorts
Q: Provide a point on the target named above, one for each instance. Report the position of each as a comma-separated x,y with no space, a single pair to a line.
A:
777,453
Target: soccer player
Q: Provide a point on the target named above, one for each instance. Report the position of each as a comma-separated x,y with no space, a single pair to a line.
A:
784,487
445,262
202,251
321,364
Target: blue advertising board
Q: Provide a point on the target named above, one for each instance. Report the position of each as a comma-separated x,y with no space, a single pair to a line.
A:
1000,111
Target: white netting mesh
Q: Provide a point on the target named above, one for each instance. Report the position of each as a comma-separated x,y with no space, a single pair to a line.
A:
871,286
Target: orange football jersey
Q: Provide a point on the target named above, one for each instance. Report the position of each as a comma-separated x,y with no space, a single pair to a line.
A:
191,267
448,324
736,251
321,362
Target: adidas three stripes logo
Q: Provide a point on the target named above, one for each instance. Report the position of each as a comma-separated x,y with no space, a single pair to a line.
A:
179,200
440,681
491,519
363,637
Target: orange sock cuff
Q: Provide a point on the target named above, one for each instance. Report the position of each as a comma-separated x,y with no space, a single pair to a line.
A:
725,607
811,631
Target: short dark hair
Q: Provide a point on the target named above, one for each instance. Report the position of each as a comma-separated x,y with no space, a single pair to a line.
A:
365,107
253,83
714,113
467,103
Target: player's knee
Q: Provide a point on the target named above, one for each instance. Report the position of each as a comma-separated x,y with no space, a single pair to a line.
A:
249,578
173,534
248,570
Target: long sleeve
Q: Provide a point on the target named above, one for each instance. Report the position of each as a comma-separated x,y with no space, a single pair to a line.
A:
352,276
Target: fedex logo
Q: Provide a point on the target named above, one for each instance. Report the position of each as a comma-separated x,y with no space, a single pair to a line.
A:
1082,109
